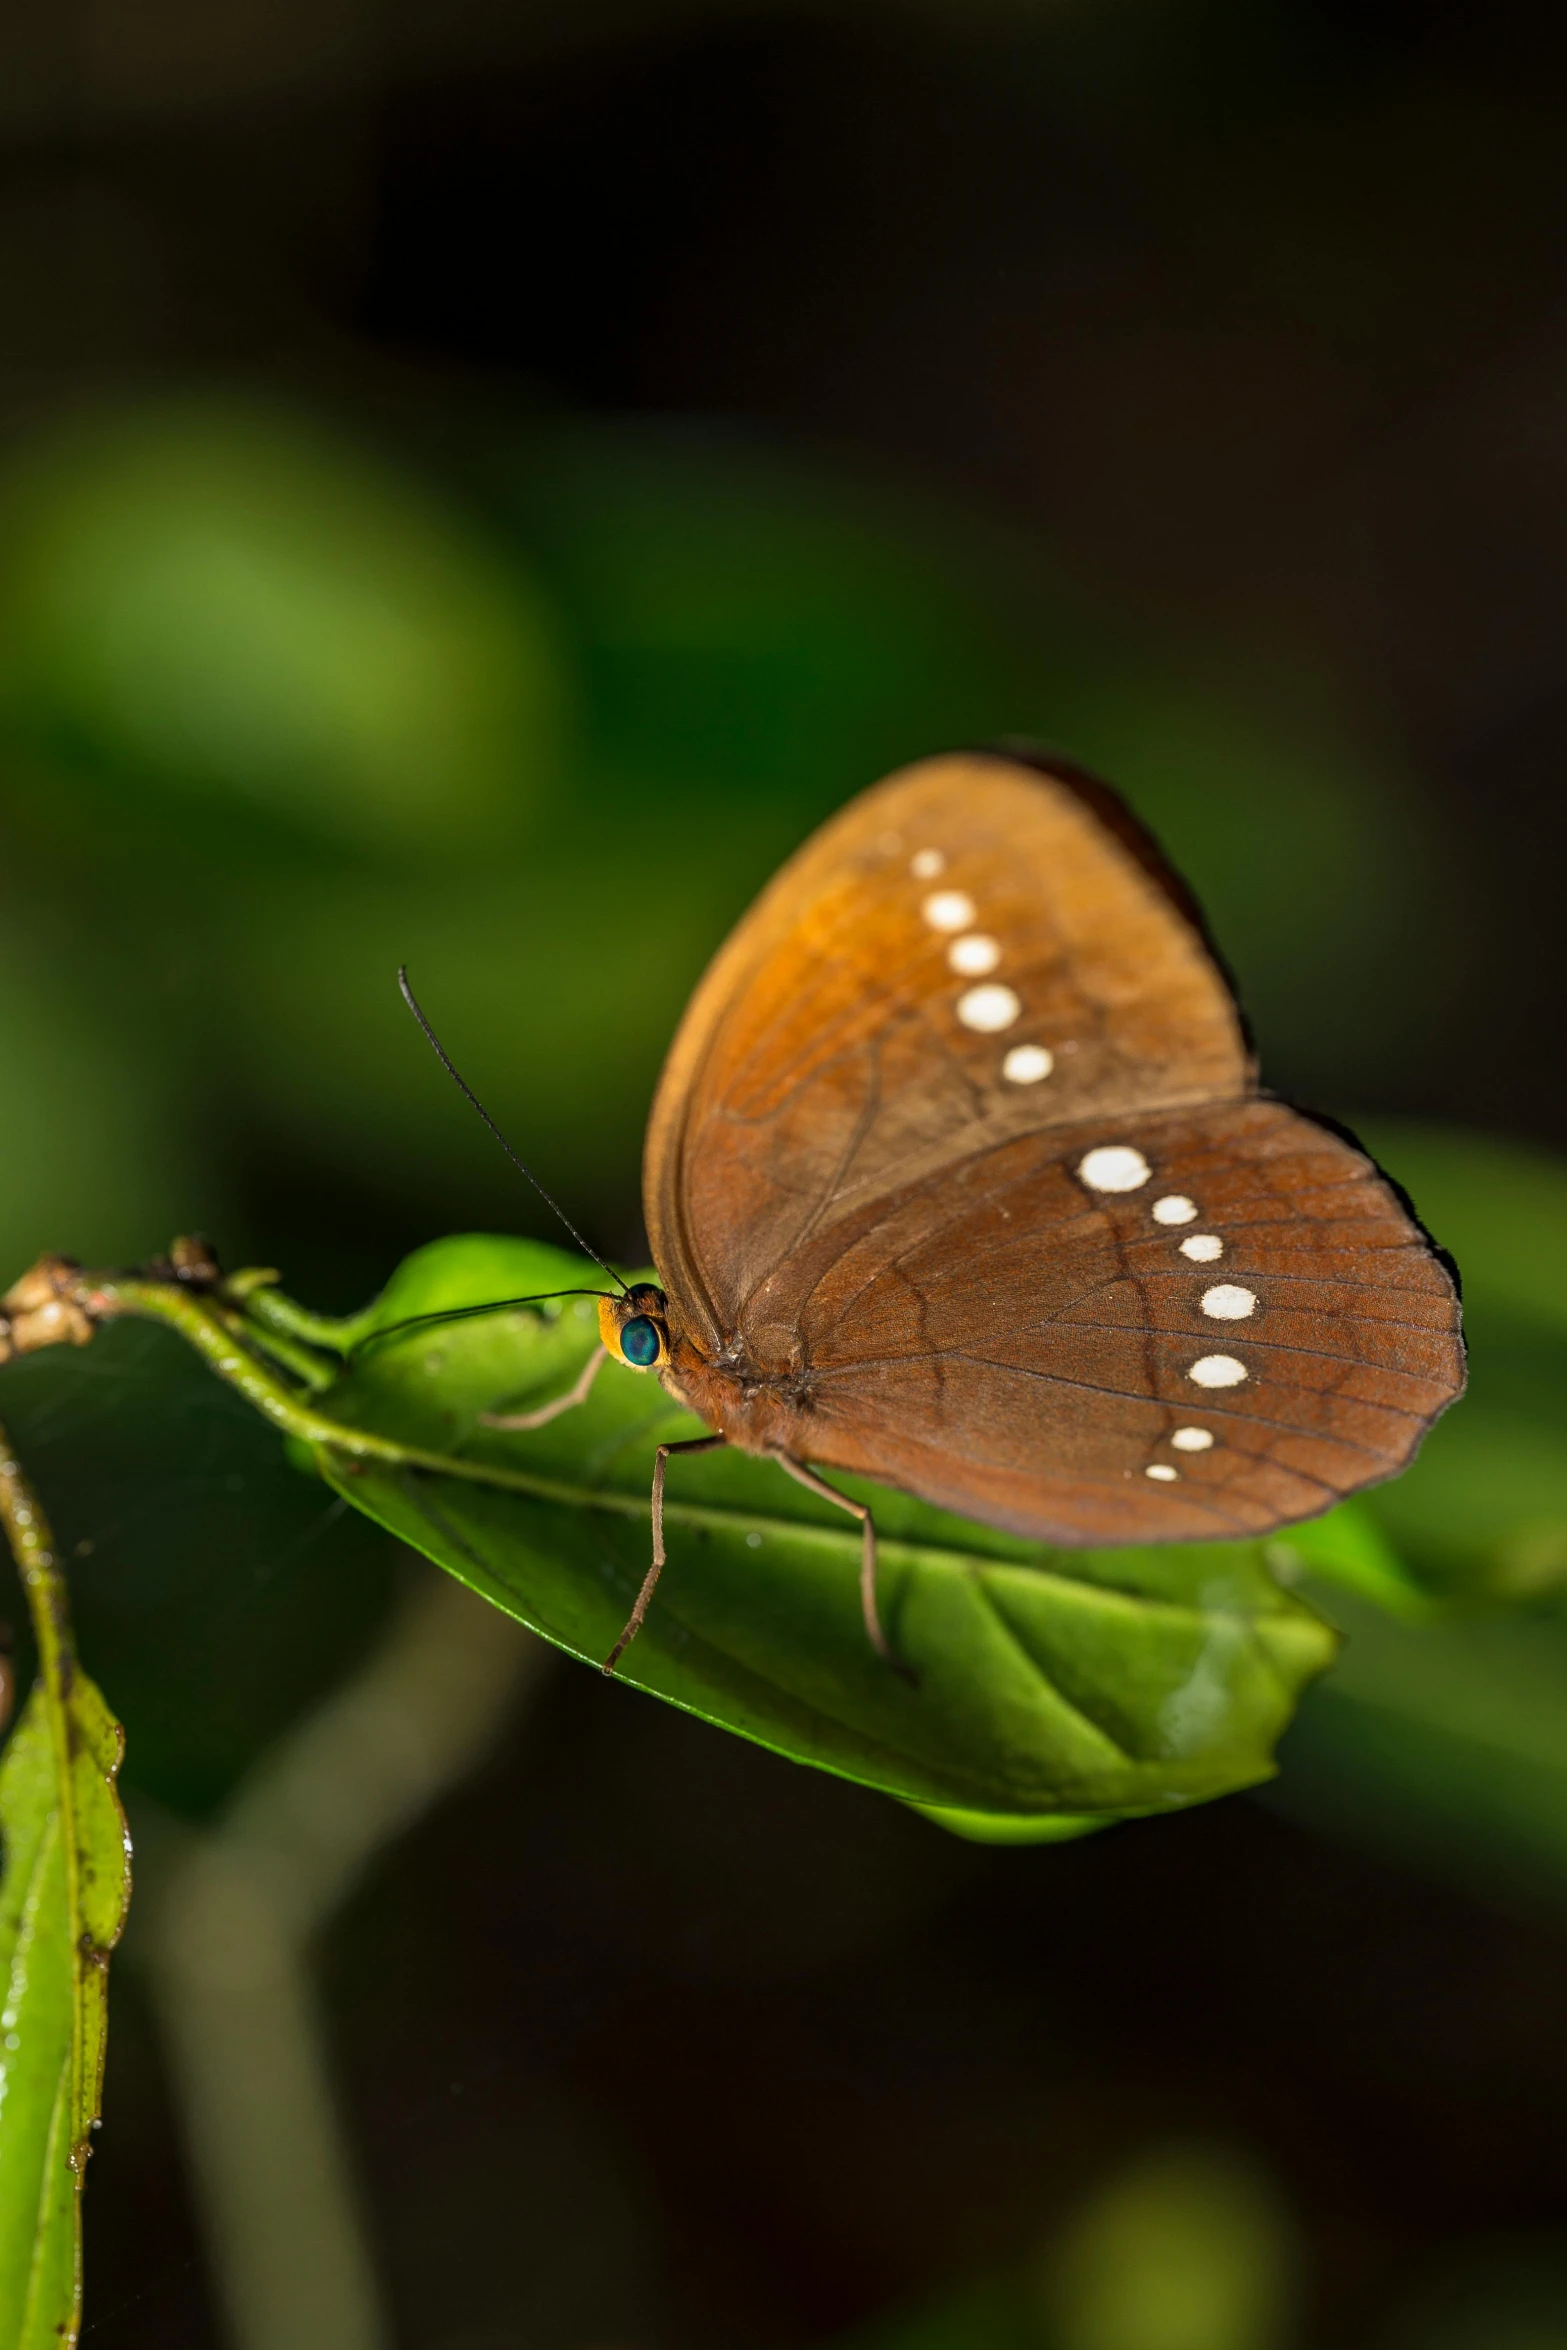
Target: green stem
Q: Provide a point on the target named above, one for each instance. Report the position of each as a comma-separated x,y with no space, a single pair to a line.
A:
48,1600
205,1326
271,1310
304,1363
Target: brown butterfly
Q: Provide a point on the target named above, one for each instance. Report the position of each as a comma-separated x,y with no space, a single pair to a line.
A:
959,1177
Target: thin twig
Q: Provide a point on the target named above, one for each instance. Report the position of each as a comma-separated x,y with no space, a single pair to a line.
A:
227,1921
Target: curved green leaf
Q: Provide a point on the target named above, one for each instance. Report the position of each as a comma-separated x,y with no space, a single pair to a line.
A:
1044,1681
1016,1827
62,1905
1348,1547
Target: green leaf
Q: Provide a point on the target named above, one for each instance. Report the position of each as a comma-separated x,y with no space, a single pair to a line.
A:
63,1898
1188,2247
1047,1682
1001,1827
1499,1206
1348,1547
1445,1746
245,609
1482,1513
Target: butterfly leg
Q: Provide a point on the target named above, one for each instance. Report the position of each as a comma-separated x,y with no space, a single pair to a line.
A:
551,1411
650,1579
856,1509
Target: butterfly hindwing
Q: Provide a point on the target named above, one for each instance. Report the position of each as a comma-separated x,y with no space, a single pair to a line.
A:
1016,1345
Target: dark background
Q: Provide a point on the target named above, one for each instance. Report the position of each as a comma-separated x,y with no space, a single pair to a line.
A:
778,393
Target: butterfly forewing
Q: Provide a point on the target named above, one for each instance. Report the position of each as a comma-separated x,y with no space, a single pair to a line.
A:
958,1151
966,952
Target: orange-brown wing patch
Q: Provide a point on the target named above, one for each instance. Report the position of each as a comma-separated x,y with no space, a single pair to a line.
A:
1253,1330
967,954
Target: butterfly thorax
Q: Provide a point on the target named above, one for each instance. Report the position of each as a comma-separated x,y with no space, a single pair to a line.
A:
755,1409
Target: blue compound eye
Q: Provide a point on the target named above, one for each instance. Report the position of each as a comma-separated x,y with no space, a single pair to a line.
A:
639,1342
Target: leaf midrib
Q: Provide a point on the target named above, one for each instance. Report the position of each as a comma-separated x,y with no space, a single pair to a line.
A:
725,1518
898,1757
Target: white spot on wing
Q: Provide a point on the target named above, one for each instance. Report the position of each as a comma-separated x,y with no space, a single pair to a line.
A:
1203,1248
948,909
1229,1302
1114,1166
1025,1064
1192,1439
1161,1473
1218,1371
1175,1208
988,1008
926,864
974,954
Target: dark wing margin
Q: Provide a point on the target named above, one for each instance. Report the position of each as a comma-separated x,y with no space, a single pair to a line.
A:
1105,804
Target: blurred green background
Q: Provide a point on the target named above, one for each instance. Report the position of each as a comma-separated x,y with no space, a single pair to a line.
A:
474,490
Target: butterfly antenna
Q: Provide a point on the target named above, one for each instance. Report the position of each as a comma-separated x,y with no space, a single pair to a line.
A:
463,1087
493,1305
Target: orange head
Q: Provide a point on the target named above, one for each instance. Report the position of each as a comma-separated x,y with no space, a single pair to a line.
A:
635,1327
